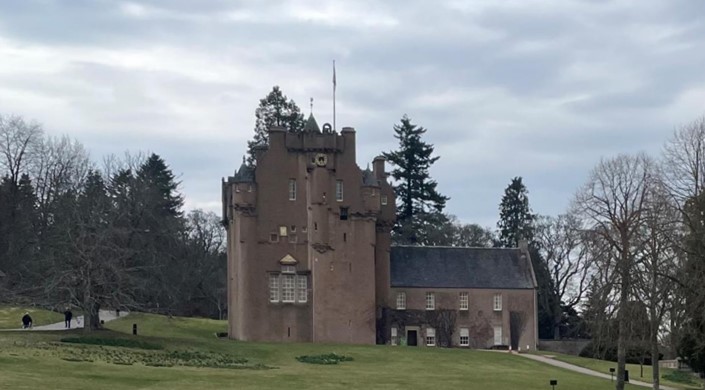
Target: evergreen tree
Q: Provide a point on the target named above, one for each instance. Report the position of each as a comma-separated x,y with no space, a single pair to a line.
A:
516,223
418,199
274,110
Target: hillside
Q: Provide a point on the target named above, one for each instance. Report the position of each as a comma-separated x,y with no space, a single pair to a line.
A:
183,353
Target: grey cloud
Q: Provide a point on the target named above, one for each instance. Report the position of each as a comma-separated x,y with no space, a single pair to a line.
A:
535,89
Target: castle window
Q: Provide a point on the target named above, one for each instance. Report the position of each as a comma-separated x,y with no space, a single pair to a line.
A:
464,300
282,231
430,301
249,188
293,228
497,302
288,288
401,301
339,190
394,340
293,239
430,337
273,288
383,200
343,213
304,229
301,289
273,237
288,269
292,189
464,337
237,188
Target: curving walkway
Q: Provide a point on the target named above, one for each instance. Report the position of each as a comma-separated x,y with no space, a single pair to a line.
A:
583,370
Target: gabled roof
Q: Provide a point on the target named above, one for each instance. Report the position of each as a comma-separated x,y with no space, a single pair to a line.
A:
457,267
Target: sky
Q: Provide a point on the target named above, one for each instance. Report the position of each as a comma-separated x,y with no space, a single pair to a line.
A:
541,89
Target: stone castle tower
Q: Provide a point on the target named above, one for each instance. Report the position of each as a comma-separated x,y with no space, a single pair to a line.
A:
308,236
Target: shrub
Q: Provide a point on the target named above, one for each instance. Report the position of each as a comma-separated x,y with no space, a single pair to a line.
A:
680,377
330,358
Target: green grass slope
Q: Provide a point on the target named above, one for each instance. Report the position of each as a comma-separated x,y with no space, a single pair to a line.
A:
190,352
11,316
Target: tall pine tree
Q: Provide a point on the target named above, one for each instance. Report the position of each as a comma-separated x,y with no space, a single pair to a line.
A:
418,199
275,109
516,223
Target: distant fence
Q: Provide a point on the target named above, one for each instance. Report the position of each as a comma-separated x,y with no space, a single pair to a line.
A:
568,347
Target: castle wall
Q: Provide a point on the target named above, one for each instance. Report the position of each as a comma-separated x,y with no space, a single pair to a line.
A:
336,255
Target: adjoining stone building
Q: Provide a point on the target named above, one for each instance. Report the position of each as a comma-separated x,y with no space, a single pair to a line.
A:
309,247
467,297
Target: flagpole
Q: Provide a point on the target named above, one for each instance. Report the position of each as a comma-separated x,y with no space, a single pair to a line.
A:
334,85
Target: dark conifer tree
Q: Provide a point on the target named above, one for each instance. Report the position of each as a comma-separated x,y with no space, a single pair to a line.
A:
275,109
418,199
516,223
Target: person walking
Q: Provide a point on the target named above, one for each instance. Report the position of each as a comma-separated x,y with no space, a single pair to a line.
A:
26,321
67,318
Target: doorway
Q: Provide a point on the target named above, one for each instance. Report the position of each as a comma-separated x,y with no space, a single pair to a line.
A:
412,338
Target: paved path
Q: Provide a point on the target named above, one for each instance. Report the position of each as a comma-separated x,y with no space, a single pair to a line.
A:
583,370
77,322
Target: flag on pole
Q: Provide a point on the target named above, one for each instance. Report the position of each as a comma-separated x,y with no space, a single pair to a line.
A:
334,83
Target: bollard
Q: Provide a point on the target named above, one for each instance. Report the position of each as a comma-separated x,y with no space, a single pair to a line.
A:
134,329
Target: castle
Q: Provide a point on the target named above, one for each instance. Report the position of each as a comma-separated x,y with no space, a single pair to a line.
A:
310,258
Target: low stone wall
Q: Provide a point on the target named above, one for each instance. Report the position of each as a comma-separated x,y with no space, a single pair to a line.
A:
568,347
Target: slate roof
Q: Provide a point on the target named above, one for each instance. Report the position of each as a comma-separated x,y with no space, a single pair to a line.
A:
311,126
455,267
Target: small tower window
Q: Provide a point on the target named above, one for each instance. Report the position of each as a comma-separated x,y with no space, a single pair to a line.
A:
292,189
339,190
274,237
282,231
343,213
383,200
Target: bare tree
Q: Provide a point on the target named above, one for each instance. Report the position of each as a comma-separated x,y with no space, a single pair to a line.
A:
684,178
561,243
613,203
18,140
684,162
657,265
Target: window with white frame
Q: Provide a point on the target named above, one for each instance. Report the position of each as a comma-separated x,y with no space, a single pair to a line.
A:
282,231
288,288
288,269
292,189
401,301
273,288
339,190
464,300
430,337
497,302
430,301
464,337
394,340
383,200
301,288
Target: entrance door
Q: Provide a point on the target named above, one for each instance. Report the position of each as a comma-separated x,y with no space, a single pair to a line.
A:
411,338
497,335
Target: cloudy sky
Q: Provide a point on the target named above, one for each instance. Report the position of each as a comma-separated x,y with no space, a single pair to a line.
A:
535,88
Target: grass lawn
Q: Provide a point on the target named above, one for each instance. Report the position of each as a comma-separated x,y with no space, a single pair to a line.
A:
634,369
11,317
30,360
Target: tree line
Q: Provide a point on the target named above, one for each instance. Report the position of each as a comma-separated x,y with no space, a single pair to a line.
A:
112,235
